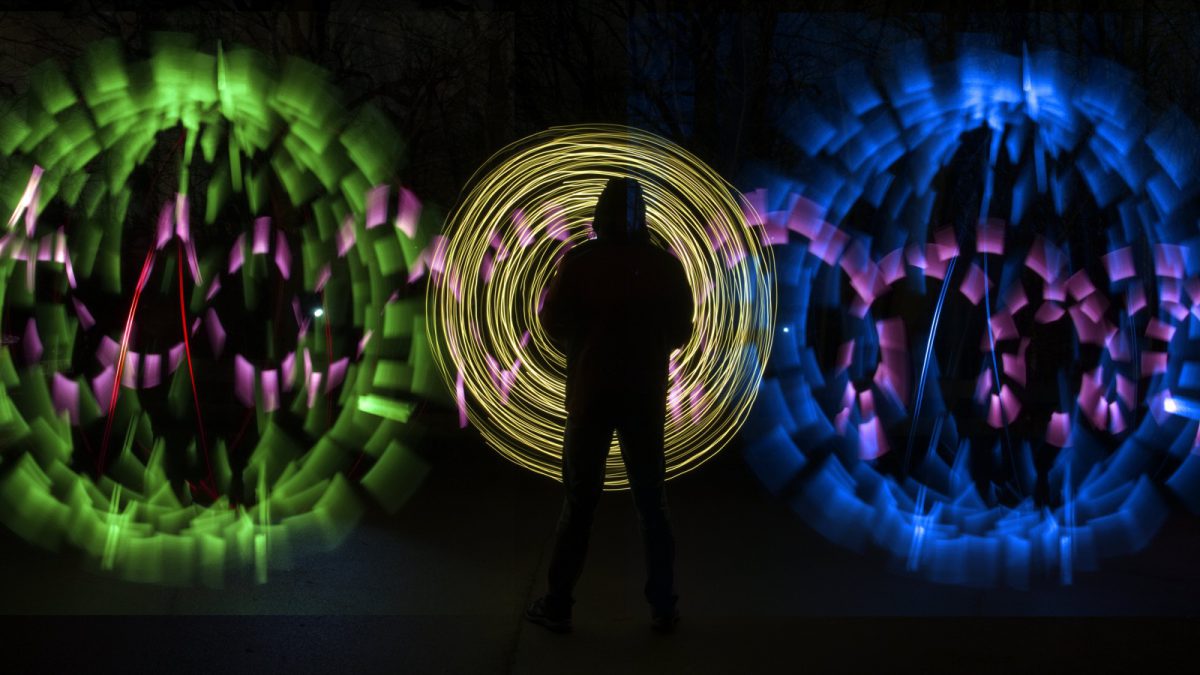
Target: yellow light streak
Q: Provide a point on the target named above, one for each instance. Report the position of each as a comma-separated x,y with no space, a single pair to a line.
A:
521,210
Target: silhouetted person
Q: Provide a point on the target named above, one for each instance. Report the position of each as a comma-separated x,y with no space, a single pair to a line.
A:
619,306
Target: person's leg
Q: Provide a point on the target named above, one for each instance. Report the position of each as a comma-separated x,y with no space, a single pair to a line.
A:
585,447
641,438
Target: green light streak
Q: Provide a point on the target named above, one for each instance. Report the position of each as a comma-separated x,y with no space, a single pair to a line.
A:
255,129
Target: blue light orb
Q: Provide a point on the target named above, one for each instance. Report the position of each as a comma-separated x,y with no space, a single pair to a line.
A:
989,268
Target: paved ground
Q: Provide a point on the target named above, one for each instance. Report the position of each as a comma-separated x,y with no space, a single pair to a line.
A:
440,587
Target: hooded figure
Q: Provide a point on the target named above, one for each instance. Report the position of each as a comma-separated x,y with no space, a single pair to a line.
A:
618,306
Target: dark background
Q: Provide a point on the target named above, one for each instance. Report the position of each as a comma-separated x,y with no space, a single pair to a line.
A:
440,586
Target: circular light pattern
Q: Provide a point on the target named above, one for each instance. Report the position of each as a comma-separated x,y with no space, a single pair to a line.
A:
172,431
921,427
523,210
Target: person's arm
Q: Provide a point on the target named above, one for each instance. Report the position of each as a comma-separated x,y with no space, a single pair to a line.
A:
679,312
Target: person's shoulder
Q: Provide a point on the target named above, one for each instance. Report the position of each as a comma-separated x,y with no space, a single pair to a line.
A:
581,250
663,256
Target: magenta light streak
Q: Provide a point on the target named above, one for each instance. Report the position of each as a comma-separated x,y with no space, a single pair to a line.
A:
183,228
1119,264
1159,331
33,343
842,422
102,384
151,370
1153,363
270,388
1169,290
408,212
1089,332
262,236
848,396
1044,259
973,284
216,332
1170,260
1057,429
485,269
891,266
1126,390
1080,286
314,388
346,235
131,371
289,371
1135,300
990,236
993,416
213,289
1176,310
754,208
945,244
871,441
891,333
983,385
845,356
337,373
1098,415
174,357
45,252
376,206
1116,421
1014,367
283,255
362,344
696,400
829,245
66,397
237,253
323,278
557,226
805,217
460,399
28,201
1117,345
1016,300
1055,290
498,246
935,265
81,311
1003,326
521,224
1094,306
1089,388
243,384
166,228
1009,403
866,404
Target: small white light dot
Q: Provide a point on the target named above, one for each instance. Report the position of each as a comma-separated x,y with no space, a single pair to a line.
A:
318,312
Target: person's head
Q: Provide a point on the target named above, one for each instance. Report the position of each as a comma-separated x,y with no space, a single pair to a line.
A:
621,212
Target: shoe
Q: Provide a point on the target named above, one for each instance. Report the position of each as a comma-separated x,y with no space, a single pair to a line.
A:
664,621
539,612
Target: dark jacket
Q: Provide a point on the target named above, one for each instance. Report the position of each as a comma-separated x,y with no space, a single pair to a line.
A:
619,306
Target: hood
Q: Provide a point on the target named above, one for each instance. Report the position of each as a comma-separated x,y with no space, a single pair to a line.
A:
621,212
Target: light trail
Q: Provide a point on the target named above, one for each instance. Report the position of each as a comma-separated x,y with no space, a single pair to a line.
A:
529,204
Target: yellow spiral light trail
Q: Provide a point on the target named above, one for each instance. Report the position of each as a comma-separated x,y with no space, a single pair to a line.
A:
524,208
